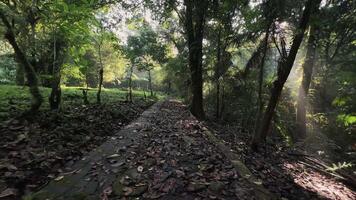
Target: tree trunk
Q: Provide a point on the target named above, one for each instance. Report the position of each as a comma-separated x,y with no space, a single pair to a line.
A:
55,96
222,101
260,80
284,68
101,77
197,87
130,83
194,24
20,79
301,131
217,114
150,82
169,87
33,44
29,71
217,75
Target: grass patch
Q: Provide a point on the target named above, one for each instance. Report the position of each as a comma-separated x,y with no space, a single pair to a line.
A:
16,99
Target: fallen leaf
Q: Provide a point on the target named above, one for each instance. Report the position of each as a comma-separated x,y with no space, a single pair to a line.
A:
8,192
194,187
113,156
117,164
108,190
127,191
59,178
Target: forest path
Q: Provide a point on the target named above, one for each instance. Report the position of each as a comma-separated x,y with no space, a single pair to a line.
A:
164,154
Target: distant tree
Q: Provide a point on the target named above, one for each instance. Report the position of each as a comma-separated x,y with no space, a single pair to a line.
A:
147,63
145,51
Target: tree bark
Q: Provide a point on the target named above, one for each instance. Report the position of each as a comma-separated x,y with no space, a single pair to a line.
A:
29,71
150,82
55,96
130,83
301,131
101,77
217,74
260,80
33,44
20,79
194,24
284,68
222,101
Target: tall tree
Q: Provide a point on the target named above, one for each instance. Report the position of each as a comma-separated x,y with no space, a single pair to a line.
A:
145,51
99,39
195,17
304,87
284,68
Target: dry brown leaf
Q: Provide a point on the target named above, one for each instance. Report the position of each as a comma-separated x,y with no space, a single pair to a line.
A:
8,192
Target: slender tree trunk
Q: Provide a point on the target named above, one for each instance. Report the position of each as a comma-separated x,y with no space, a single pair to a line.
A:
150,82
29,71
284,68
130,83
87,77
33,44
304,87
217,113
101,76
260,80
55,96
222,100
194,24
169,87
20,79
217,75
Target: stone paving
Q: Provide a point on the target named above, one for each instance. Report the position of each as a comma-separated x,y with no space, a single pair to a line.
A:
164,154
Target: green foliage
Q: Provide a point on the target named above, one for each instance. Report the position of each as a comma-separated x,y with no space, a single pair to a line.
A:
339,166
339,101
347,120
145,44
16,98
7,69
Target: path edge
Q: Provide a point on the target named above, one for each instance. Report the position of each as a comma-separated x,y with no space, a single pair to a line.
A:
259,190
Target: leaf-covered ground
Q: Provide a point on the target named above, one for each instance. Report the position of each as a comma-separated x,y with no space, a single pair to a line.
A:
34,151
290,173
175,161
162,155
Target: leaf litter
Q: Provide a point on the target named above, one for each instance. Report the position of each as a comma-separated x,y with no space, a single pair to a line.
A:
35,150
